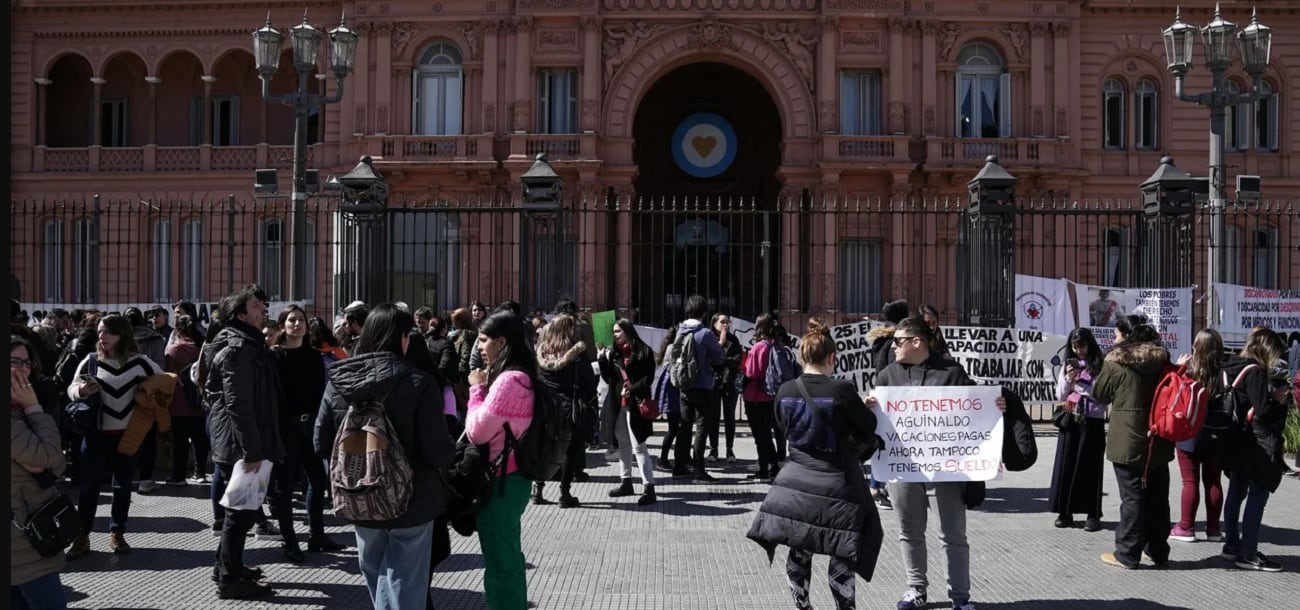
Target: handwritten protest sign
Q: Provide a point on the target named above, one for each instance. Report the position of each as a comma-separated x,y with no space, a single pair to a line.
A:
1169,310
938,434
1242,308
1027,362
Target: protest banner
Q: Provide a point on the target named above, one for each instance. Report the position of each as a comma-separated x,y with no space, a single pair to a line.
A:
1027,362
1169,310
1242,308
744,330
936,434
1044,304
654,337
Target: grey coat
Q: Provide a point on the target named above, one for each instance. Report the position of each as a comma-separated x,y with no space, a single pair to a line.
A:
33,441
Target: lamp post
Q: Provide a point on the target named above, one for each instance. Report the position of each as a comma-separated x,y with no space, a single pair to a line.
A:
1254,41
991,232
365,202
306,40
1168,200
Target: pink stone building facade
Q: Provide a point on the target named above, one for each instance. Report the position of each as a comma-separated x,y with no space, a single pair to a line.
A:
826,99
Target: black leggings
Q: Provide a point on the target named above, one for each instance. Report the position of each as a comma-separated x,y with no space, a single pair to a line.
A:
840,576
674,424
762,424
186,431
575,457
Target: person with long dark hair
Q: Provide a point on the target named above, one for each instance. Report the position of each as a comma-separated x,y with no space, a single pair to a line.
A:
118,372
628,369
394,555
1127,382
1198,457
186,408
725,380
758,403
502,394
300,365
1080,445
670,402
321,337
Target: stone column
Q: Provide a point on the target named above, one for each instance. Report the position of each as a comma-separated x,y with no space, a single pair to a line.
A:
96,113
490,75
383,84
591,73
896,80
1038,31
1061,80
42,85
153,109
523,74
828,115
929,78
208,81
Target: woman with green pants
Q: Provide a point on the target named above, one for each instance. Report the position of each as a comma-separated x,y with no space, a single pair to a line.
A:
502,394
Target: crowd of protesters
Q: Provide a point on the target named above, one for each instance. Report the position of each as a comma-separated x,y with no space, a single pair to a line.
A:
251,393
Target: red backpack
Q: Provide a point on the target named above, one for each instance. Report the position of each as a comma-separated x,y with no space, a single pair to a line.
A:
1180,405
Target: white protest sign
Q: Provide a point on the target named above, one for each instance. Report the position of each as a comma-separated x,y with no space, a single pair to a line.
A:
936,434
853,354
744,330
1044,304
654,337
1169,310
1242,308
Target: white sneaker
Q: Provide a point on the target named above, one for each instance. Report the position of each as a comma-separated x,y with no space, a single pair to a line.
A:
148,487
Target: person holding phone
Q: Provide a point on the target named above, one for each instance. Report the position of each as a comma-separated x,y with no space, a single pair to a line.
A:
1081,446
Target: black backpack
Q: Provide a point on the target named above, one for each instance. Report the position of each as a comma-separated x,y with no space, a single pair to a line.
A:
539,453
1226,416
1019,448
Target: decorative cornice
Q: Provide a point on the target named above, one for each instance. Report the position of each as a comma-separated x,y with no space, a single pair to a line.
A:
590,24
863,5
829,22
708,5
43,81
1061,29
149,34
152,80
555,5
208,79
95,80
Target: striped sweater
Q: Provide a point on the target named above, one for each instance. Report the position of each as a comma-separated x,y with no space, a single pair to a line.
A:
117,384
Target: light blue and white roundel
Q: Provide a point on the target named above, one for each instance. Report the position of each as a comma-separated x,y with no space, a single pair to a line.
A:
704,145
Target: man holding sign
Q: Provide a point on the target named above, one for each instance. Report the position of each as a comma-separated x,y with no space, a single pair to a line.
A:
936,439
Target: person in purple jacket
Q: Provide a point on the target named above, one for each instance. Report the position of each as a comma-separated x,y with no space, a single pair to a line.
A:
700,404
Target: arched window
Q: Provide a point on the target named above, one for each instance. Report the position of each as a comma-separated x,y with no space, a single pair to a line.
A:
1266,118
1237,122
270,263
162,260
439,80
52,261
1147,117
192,260
85,261
983,93
1112,93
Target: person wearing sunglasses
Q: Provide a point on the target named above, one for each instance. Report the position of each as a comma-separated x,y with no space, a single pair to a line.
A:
915,364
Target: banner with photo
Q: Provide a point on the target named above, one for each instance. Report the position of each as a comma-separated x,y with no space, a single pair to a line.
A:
1027,362
938,434
1043,303
1242,308
1169,310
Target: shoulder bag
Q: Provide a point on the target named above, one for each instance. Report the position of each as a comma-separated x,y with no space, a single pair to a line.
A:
52,527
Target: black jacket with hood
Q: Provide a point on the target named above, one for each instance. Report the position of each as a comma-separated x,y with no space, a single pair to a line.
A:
640,371
570,377
413,403
935,371
1256,454
242,394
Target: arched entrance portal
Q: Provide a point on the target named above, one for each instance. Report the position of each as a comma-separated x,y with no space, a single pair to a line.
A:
707,148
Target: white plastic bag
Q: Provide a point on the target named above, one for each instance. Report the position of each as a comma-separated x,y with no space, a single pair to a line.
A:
247,490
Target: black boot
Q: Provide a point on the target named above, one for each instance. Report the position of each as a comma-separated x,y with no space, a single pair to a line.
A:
700,474
566,498
625,489
648,496
538,499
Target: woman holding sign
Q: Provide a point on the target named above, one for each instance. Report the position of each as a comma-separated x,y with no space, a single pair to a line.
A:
1081,442
819,503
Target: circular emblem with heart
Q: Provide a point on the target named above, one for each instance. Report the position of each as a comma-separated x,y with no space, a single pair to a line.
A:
704,145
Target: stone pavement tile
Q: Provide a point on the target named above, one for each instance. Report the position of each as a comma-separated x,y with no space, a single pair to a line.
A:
689,551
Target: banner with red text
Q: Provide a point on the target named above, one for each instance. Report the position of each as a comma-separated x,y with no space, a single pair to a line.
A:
936,434
1242,308
1169,310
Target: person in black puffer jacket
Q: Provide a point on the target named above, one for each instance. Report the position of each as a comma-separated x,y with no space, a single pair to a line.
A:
724,381
1253,457
562,360
819,502
394,555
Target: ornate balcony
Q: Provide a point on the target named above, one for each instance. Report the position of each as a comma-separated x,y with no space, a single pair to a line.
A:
865,149
163,158
947,151
425,150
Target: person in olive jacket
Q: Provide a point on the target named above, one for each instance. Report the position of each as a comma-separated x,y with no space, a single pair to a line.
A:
1127,382
242,393
394,555
819,502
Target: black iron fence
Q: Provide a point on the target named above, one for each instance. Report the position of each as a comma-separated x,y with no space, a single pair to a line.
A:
839,258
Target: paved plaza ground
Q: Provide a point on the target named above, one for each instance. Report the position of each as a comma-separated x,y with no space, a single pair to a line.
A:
689,551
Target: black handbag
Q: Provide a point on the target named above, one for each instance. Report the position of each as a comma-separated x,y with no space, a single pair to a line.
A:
52,527
82,417
1063,418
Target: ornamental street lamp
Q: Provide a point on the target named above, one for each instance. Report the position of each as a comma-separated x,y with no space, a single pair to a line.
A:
1168,203
365,202
990,228
1254,41
306,41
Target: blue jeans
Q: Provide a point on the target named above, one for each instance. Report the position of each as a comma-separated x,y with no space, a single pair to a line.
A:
396,565
1244,540
44,593
99,458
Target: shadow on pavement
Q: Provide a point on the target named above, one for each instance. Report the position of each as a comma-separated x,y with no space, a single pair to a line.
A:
465,562
1279,535
1015,500
458,598
1082,604
152,525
